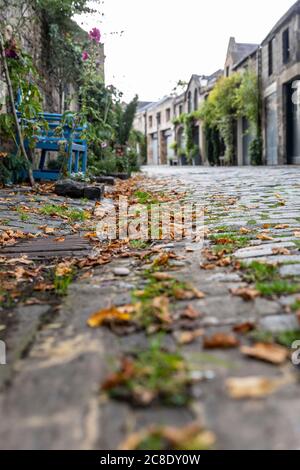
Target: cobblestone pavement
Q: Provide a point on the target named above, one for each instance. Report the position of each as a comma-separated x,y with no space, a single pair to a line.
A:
53,400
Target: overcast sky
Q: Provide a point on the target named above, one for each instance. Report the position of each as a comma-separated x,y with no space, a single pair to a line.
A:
168,40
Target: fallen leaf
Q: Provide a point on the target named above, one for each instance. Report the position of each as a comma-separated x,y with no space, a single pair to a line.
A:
281,251
244,328
244,230
43,286
49,230
208,266
122,314
191,313
59,239
188,294
187,337
252,387
221,341
264,237
246,293
126,372
267,352
161,308
62,269
162,276
297,234
281,226
190,437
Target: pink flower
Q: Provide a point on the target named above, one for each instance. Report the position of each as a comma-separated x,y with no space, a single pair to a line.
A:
85,55
104,145
95,35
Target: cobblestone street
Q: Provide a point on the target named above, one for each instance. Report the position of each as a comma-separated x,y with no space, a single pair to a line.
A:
247,321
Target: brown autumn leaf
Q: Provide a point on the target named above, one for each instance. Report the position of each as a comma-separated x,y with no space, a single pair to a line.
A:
297,234
49,230
224,261
188,337
264,237
191,313
281,251
126,372
221,341
122,314
208,266
224,241
281,226
191,436
244,328
252,387
59,239
43,286
247,293
188,294
266,352
266,226
244,230
162,276
161,309
62,269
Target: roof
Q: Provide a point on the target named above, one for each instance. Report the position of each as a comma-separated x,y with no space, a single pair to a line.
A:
243,50
294,10
143,105
245,57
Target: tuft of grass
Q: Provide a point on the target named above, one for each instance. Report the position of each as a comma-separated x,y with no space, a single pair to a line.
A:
295,306
165,375
261,272
61,283
144,197
139,244
284,338
73,215
278,287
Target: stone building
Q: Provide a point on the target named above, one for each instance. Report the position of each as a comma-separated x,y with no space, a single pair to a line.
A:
242,57
160,132
280,81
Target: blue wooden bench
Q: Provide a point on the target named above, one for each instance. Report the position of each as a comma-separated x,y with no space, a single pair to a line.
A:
69,139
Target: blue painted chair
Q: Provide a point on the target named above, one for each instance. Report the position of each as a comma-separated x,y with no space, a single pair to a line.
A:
69,139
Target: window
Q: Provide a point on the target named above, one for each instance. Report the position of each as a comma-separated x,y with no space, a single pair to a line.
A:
270,57
180,109
168,114
150,121
189,102
227,71
285,46
158,118
195,100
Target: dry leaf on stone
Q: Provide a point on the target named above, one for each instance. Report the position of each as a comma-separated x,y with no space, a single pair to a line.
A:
126,372
208,266
247,293
244,230
297,234
244,328
190,437
162,276
281,226
188,294
221,341
281,251
59,239
252,387
161,309
191,313
264,237
188,337
121,314
49,230
62,269
267,352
